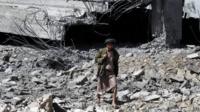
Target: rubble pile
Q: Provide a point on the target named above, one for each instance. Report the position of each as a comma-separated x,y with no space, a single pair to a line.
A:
151,78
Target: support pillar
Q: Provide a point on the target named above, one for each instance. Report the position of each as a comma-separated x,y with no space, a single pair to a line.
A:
173,22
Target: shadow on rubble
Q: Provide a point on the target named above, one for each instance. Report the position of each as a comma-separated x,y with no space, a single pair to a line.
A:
26,41
191,31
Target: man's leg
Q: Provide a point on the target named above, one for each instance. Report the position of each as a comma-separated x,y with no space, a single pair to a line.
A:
98,98
114,98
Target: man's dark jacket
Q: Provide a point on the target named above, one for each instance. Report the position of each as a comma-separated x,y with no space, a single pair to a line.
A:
99,59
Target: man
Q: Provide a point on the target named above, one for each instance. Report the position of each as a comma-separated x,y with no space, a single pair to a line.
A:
107,60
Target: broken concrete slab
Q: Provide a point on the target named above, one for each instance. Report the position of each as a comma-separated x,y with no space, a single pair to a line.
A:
179,77
138,73
129,54
4,107
45,19
193,68
123,95
80,80
44,104
151,98
140,94
193,56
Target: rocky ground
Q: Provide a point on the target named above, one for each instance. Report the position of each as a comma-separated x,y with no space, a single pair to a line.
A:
152,78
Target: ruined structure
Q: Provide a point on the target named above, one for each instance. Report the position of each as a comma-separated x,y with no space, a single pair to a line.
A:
51,20
167,15
44,19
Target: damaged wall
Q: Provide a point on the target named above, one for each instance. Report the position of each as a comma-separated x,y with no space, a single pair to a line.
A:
176,15
42,18
169,14
173,22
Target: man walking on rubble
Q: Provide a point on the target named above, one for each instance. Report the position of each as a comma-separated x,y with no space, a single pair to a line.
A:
107,60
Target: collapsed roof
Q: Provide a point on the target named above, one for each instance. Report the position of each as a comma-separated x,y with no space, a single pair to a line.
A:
46,18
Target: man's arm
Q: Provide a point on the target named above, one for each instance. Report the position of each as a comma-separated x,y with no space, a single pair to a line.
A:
99,58
117,63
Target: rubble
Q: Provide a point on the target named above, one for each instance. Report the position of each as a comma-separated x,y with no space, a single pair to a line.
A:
194,55
44,104
138,73
151,97
179,76
159,80
129,54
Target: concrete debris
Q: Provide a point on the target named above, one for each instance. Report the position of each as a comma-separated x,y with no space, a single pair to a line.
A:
129,54
151,97
80,80
44,104
123,95
4,107
193,68
193,56
140,94
159,80
179,76
138,73
9,70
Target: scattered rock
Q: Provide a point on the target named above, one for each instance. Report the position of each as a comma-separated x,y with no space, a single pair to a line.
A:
194,55
80,80
189,76
77,110
57,108
138,73
60,74
140,94
165,93
36,80
9,82
9,70
129,55
58,100
43,104
6,58
53,64
179,77
90,108
175,98
18,100
14,78
49,74
193,68
87,65
36,73
185,91
123,76
4,107
140,84
123,95
73,69
151,97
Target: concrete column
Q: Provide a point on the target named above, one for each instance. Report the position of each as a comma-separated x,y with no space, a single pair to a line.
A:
157,15
173,22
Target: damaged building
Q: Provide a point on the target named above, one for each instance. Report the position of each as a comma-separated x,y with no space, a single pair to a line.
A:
75,21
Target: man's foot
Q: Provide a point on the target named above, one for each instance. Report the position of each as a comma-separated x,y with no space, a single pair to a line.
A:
115,106
98,99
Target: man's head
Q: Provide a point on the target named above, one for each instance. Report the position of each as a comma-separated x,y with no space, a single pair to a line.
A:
110,43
